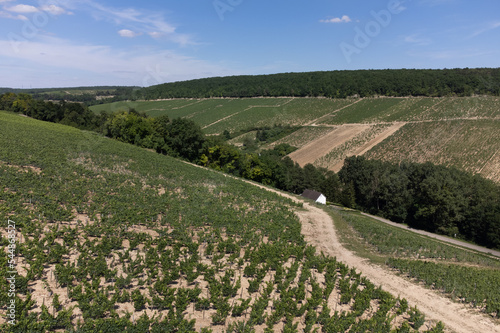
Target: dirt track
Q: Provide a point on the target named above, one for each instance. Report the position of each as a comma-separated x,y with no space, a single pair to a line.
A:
318,230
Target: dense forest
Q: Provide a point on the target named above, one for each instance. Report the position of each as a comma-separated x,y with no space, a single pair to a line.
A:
336,84
426,196
330,84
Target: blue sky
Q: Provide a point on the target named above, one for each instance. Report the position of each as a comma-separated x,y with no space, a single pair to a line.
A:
64,43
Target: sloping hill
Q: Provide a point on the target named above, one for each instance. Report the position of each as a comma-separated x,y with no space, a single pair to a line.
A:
459,132
110,237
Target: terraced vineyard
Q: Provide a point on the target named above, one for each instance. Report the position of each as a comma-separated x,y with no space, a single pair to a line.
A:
460,132
114,238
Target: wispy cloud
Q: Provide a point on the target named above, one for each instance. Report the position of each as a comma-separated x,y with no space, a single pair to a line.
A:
343,19
489,27
451,55
128,66
28,9
127,20
140,21
14,17
417,39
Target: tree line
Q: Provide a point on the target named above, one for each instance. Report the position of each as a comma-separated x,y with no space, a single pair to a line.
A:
426,196
336,84
86,95
330,84
71,114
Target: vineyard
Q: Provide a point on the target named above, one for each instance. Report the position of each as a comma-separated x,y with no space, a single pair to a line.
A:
113,238
303,136
463,275
469,144
454,131
302,111
217,115
335,158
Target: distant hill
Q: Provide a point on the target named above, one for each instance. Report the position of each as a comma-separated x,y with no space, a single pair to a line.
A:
336,84
331,84
463,132
87,95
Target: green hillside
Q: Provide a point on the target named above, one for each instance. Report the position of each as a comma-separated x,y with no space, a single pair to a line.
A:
474,149
114,238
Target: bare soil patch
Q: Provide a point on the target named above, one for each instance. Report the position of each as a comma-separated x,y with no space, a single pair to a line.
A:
320,147
369,145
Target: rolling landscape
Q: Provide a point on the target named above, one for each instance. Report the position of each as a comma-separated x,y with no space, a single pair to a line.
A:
177,208
235,166
453,131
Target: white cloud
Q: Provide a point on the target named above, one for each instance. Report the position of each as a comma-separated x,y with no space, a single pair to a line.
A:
128,33
151,23
14,17
22,9
140,66
343,19
28,9
54,10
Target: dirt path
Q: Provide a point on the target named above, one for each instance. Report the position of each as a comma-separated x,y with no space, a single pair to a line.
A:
318,230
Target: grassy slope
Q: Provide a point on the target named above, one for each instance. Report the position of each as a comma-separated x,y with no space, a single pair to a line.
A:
127,238
464,275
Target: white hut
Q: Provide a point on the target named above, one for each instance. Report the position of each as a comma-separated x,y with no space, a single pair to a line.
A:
316,196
